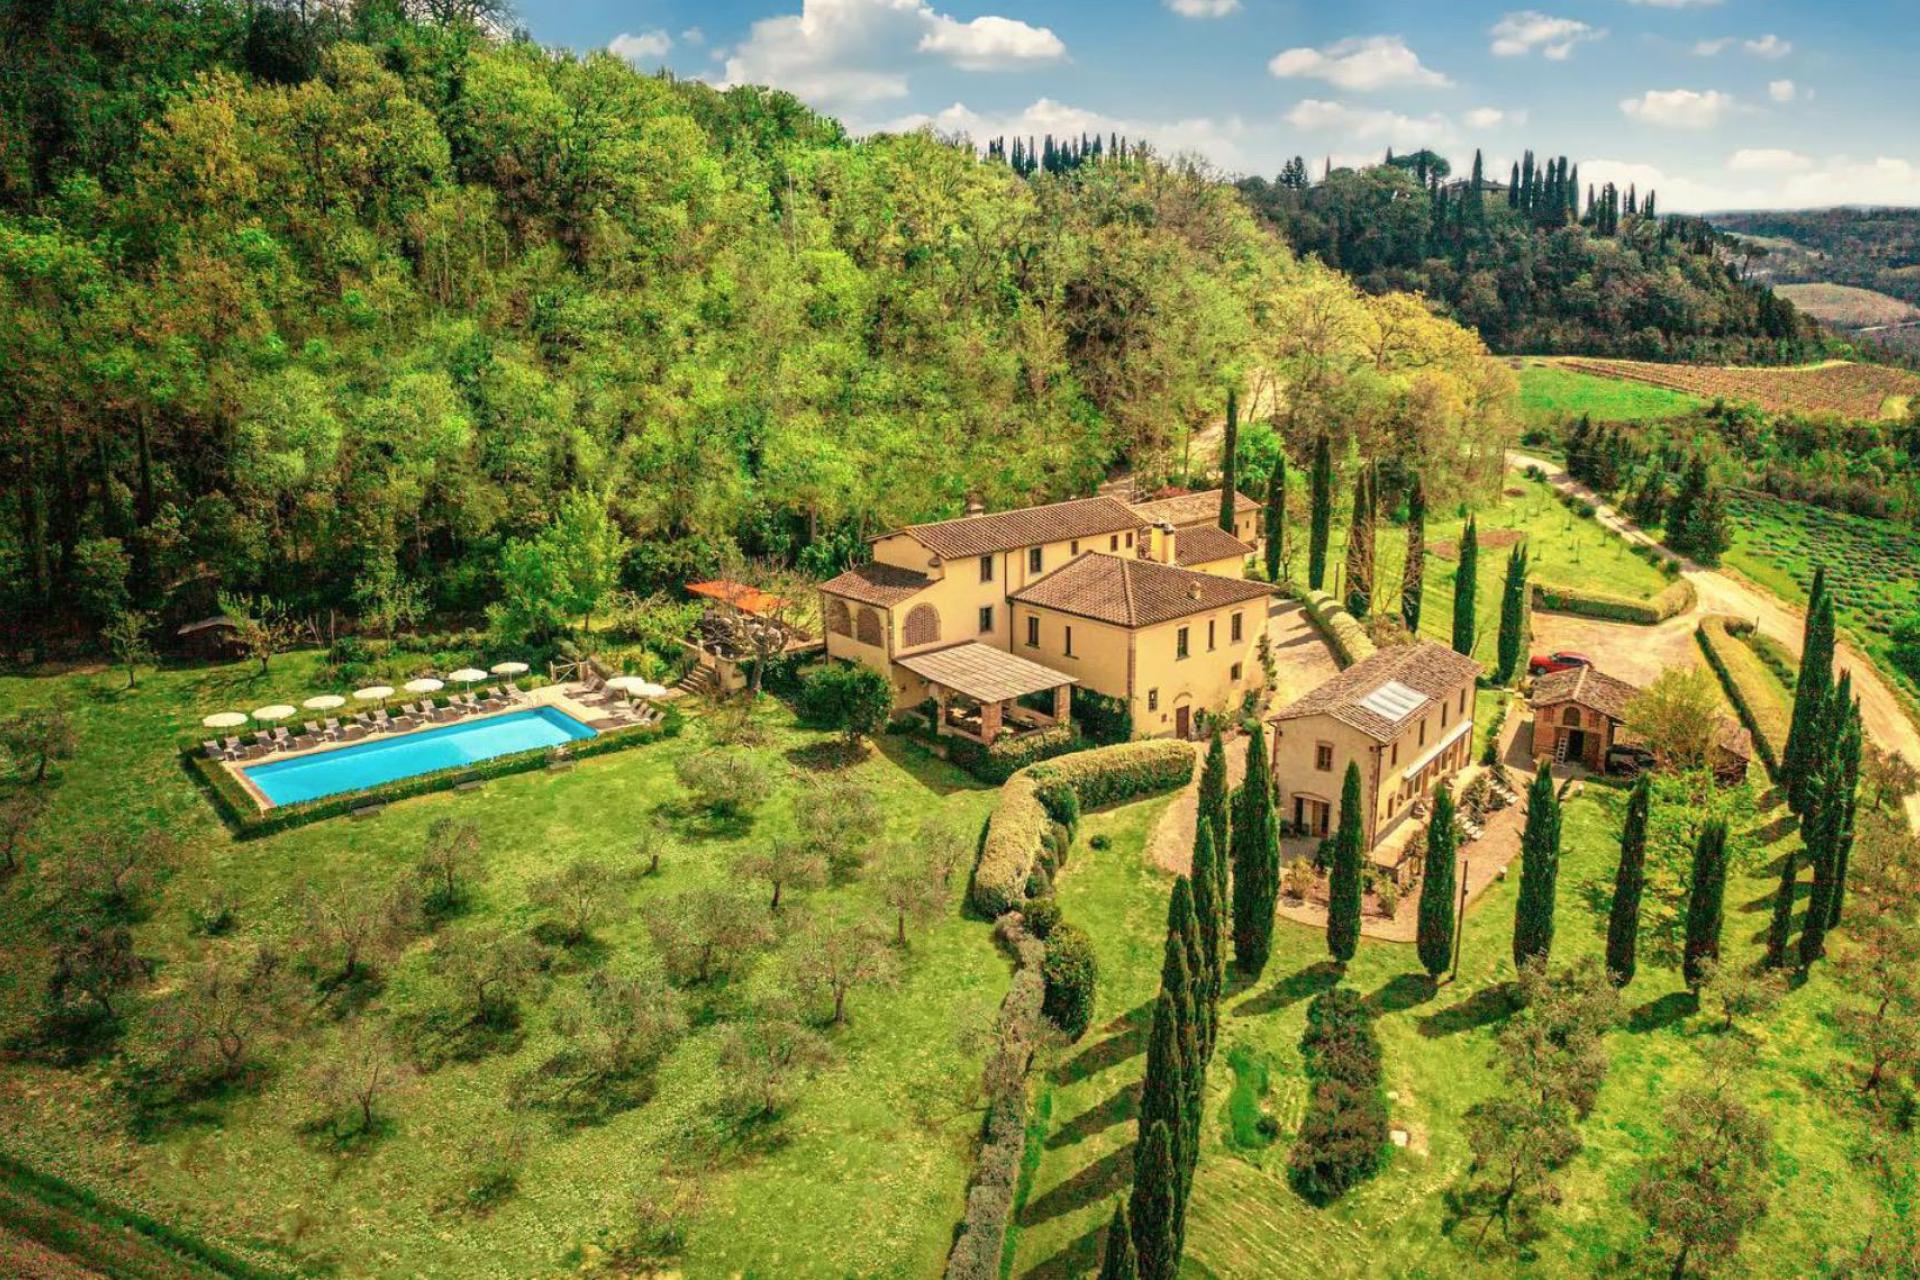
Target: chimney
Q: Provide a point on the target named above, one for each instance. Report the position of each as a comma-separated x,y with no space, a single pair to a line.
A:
1193,591
1163,539
975,507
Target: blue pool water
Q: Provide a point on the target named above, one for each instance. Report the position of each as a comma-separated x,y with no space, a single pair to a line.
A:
378,760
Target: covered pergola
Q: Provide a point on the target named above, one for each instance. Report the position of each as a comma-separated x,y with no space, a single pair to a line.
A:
978,691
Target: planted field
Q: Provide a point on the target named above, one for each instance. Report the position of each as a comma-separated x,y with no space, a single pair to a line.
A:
1551,392
1246,1221
1855,390
1847,307
1872,565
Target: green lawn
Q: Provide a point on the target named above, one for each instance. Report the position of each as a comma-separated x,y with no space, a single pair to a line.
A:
1566,550
1246,1221
1550,393
865,1177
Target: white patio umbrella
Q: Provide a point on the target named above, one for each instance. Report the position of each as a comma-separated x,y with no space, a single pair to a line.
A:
509,668
628,685
467,675
374,692
425,684
225,720
278,711
648,689
324,702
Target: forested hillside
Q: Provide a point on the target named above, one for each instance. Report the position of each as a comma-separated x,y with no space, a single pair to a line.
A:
337,309
1538,263
1875,249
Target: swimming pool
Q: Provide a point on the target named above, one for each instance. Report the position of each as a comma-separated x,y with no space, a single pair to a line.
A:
379,760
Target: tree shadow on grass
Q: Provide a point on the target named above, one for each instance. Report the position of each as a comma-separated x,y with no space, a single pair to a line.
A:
1096,1182
1775,829
1292,989
1663,1012
1489,1004
936,775
1121,1107
1401,993
829,755
1126,1038
1076,1259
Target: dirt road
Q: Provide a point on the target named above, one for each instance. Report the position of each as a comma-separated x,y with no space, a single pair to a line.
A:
1885,719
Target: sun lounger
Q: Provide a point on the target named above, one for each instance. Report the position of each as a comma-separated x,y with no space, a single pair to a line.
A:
513,691
281,740
332,729
382,721
212,750
310,730
232,747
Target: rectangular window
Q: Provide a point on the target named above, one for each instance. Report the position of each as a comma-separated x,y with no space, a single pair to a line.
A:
1210,625
1033,632
1129,537
1463,702
1033,559
1423,724
986,568
1233,628
986,617
1073,548
1236,671
1323,756
1069,642
1113,543
1443,715
1153,699
1180,643
1395,757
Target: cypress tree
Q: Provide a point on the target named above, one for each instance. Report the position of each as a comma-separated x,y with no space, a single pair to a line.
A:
1413,576
1780,928
1476,198
1810,692
1513,186
1213,808
1466,583
1256,862
1437,886
1207,917
1539,872
1513,616
1819,830
1119,1262
1706,903
1183,931
1154,1204
1623,922
1163,1091
1343,882
1229,460
1276,515
1360,547
1851,745
1321,482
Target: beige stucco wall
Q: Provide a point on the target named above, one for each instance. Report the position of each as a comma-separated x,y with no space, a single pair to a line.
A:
1388,793
1233,567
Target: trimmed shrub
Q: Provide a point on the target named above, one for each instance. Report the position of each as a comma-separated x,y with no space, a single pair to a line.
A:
1072,975
1104,720
1042,915
1007,756
1343,1137
1017,829
1344,634
1676,599
1762,708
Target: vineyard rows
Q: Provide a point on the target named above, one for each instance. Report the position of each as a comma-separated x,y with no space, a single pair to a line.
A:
1855,390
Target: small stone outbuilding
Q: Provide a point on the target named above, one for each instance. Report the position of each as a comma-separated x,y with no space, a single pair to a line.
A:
1577,716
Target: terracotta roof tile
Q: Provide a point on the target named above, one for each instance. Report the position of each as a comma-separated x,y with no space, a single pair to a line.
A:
1206,543
1586,686
1129,592
1425,670
984,673
874,583
1184,509
1027,527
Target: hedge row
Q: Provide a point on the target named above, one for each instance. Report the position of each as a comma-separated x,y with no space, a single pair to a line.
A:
248,821
1676,599
1018,827
1749,685
1343,1136
62,1197
981,1238
1345,636
1009,755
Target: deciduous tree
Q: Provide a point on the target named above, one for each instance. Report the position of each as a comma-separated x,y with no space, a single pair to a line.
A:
1709,1185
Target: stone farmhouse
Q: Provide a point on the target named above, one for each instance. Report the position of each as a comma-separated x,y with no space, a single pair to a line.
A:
996,618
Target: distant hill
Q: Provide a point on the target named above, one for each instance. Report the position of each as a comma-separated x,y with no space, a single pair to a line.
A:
1846,307
1876,249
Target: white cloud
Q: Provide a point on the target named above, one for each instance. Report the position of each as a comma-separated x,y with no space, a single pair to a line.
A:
1203,8
1782,90
1492,117
1767,160
646,47
839,52
1679,108
1317,116
1359,62
1518,34
1675,4
1712,48
694,36
1768,46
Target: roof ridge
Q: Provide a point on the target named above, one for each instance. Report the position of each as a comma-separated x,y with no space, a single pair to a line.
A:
1126,586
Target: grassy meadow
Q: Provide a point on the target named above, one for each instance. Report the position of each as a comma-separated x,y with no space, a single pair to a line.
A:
864,1176
1245,1220
1550,393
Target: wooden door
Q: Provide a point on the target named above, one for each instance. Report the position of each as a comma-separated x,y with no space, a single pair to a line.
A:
1183,722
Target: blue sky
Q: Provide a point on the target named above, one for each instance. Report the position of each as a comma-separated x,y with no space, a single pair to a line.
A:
1717,103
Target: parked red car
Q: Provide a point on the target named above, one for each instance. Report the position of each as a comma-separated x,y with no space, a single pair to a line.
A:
1562,661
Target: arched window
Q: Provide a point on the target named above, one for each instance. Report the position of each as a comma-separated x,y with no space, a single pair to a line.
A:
922,625
839,617
1571,716
866,628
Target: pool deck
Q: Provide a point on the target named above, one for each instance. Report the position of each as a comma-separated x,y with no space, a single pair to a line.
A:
559,697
